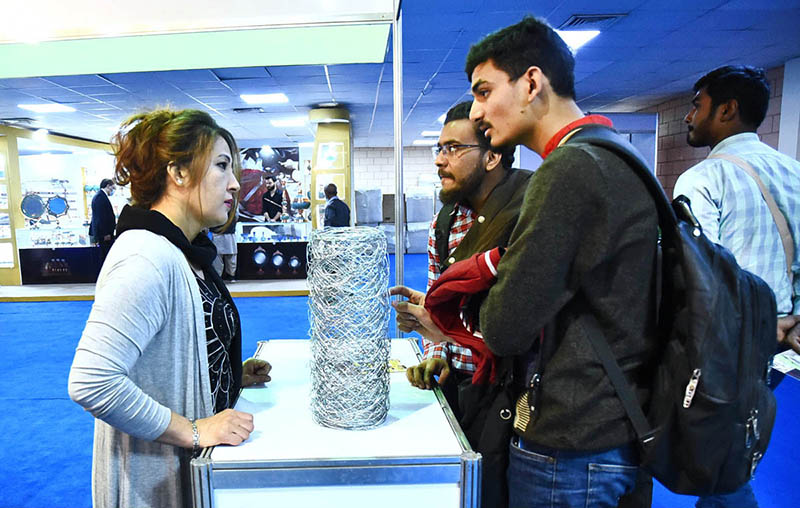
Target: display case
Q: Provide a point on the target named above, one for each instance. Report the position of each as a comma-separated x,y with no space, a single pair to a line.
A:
272,250
50,236
418,453
52,230
273,232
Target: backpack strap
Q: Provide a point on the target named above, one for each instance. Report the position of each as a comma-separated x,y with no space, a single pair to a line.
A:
444,221
644,432
777,215
609,139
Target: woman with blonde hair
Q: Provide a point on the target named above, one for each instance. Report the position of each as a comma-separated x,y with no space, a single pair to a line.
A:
159,362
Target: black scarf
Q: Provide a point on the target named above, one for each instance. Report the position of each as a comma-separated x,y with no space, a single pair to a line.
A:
201,251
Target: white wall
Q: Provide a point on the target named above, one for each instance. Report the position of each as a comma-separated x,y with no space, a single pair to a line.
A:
789,134
373,168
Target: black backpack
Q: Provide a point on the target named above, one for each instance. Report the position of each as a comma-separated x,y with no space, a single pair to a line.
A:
711,413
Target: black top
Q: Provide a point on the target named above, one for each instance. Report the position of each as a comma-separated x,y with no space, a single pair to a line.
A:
272,203
202,253
103,219
337,213
585,242
220,329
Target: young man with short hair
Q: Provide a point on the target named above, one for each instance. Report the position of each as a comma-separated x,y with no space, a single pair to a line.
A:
580,261
728,106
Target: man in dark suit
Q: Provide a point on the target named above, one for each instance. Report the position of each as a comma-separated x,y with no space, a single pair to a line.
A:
101,229
337,213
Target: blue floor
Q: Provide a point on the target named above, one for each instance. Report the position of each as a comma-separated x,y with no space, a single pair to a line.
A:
46,447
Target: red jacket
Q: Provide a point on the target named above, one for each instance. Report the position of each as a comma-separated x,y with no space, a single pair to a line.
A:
448,297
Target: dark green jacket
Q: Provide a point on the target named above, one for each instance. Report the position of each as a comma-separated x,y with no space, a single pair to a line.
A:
585,243
492,227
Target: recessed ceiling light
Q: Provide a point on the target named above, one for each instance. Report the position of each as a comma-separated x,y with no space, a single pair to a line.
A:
577,38
441,118
50,107
424,142
297,121
265,98
431,133
40,135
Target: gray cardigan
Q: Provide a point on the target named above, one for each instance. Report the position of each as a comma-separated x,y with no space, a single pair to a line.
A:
141,356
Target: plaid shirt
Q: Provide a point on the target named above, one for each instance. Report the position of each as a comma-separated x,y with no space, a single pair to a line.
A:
729,206
460,358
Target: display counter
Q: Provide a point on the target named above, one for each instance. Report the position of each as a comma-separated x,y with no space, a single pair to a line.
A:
50,254
272,250
417,456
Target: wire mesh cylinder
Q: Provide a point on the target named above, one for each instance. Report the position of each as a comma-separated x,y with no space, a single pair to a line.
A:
348,278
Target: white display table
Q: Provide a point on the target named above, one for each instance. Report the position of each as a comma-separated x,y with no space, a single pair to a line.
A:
418,456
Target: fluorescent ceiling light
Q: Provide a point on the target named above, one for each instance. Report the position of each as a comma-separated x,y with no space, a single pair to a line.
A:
431,133
297,121
40,135
265,98
424,142
577,38
50,107
441,118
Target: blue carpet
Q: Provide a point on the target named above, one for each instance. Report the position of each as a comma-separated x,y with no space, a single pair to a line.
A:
45,456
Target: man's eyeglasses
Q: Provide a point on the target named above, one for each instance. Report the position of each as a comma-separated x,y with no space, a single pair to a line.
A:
449,149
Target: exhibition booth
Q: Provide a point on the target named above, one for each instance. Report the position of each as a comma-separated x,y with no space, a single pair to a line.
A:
46,188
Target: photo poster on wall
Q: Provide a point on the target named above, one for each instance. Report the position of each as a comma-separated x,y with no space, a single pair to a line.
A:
3,196
281,163
330,155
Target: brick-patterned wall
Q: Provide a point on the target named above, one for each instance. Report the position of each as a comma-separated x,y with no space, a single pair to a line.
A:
675,156
373,168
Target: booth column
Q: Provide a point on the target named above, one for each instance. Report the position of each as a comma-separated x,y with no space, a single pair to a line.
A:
331,160
9,207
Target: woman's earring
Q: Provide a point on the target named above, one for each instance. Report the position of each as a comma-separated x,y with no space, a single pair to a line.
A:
179,180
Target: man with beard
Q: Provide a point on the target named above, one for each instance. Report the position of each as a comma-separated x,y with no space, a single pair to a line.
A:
729,105
482,195
272,201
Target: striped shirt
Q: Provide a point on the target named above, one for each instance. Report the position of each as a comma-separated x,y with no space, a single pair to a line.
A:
459,358
732,212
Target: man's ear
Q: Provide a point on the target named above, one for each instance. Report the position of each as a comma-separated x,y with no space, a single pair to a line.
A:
728,110
493,160
533,79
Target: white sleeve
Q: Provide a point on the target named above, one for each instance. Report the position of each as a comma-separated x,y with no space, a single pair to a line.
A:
129,309
704,198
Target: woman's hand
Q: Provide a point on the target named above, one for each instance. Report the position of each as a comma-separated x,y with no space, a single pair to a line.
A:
226,427
255,371
229,427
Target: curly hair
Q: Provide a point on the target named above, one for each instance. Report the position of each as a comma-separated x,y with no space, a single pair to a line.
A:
148,142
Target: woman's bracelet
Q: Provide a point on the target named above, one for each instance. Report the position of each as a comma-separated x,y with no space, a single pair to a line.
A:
195,437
